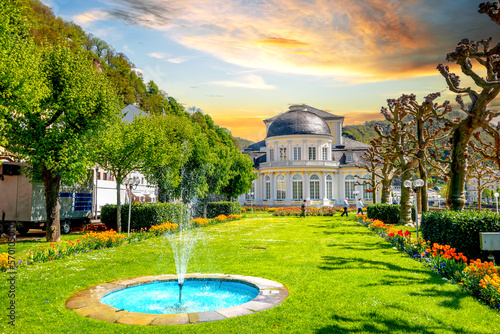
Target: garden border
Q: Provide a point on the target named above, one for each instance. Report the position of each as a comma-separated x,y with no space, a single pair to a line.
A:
88,302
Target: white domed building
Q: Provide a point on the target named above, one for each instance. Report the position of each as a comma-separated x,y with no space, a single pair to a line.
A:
304,156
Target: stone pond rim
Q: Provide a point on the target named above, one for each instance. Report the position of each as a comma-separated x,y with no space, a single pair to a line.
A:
87,302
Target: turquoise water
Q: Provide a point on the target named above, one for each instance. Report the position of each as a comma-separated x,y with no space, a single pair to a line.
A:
197,296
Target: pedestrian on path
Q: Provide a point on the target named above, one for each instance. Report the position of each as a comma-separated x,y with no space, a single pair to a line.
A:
360,206
346,206
303,209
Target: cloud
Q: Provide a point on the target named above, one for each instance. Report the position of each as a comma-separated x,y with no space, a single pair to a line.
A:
158,55
85,19
179,60
354,41
279,41
246,81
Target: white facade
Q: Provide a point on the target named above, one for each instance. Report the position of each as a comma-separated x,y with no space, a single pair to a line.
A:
300,161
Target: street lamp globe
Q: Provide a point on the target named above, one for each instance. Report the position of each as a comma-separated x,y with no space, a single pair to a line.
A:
407,184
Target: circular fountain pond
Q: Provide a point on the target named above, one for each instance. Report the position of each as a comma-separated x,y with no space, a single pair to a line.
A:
154,300
197,296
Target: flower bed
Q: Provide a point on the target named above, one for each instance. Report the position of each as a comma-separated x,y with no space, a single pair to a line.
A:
92,241
480,279
310,211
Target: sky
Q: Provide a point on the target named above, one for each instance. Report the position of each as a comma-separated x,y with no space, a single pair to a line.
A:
242,61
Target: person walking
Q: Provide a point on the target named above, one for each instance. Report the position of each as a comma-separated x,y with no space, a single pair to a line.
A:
346,206
303,209
360,206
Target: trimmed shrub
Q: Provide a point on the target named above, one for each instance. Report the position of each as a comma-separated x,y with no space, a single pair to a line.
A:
144,215
460,230
215,209
388,213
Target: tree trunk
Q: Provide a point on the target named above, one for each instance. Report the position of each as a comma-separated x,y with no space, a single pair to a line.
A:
458,170
51,183
386,191
479,194
424,199
405,211
118,207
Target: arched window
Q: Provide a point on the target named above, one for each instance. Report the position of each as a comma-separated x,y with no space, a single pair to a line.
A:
297,187
281,187
314,186
268,187
367,189
349,187
250,196
329,187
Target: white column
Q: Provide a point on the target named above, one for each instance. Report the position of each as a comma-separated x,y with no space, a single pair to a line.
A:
276,151
289,153
326,201
262,180
256,197
319,152
305,152
288,196
337,190
306,188
271,200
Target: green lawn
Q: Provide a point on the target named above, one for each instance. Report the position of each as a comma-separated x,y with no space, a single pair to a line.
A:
342,278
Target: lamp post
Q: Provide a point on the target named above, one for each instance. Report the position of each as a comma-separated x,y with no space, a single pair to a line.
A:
496,199
439,201
132,183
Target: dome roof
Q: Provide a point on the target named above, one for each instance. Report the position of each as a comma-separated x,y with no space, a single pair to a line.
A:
298,122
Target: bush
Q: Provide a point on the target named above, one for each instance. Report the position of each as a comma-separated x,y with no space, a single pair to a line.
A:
388,213
459,229
215,209
144,215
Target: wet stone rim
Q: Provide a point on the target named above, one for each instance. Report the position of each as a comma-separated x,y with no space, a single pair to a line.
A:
88,302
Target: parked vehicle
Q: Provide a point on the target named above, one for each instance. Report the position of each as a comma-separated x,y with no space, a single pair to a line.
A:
23,203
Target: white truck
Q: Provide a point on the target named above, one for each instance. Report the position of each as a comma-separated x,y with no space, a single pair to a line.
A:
23,203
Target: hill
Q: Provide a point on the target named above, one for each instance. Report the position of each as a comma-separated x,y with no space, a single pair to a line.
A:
241,143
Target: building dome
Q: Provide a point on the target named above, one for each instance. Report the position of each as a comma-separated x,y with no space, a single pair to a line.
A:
298,121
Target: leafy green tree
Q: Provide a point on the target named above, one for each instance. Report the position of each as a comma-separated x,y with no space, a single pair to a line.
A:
241,175
52,132
119,148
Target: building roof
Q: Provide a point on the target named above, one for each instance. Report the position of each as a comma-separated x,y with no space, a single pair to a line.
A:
298,122
130,111
323,114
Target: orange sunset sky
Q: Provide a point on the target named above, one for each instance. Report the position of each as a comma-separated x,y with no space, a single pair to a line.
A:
242,61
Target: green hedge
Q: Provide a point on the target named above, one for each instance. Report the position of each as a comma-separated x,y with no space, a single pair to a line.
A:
223,208
460,230
388,213
144,215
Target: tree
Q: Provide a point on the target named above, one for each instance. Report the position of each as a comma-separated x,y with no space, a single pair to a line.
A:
477,112
402,140
482,174
53,134
241,175
120,150
382,167
427,132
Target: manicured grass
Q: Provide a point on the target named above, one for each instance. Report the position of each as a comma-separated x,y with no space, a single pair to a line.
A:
342,278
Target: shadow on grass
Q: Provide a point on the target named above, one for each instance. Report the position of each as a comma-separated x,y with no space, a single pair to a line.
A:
342,263
375,323
453,297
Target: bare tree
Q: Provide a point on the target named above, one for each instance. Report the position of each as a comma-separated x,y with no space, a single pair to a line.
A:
401,140
427,132
482,173
382,166
477,112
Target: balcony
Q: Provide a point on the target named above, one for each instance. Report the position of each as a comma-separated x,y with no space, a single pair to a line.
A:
299,163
